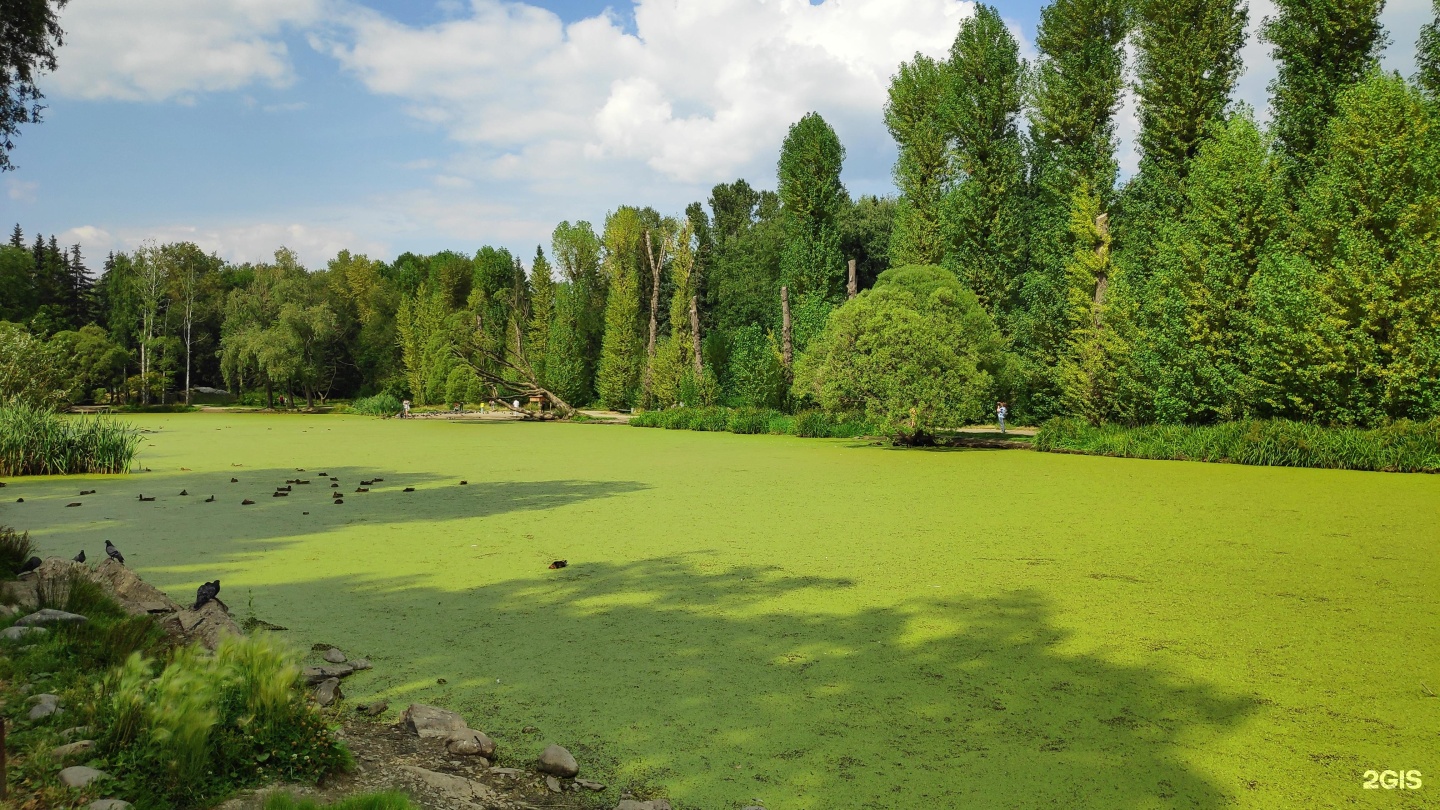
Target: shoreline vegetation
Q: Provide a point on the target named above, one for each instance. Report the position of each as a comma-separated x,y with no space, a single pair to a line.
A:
39,441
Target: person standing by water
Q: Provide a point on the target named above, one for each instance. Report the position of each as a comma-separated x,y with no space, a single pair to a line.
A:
1000,412
404,409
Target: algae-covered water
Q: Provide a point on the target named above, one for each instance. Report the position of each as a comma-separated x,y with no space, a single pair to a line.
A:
821,624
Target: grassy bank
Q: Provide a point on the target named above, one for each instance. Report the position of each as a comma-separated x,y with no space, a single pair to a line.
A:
39,441
1401,447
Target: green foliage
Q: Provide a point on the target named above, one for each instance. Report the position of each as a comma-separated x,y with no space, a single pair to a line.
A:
567,372
378,405
1323,47
1348,314
207,725
915,354
755,375
32,371
922,170
542,314
1427,56
1400,447
742,280
622,351
15,549
813,199
38,441
810,424
367,801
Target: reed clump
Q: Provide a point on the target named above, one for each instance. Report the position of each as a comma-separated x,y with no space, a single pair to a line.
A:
39,441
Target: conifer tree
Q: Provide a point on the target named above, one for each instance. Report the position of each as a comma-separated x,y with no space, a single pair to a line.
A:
17,237
542,313
1323,47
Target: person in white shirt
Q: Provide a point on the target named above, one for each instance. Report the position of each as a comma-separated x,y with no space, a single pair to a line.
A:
1000,411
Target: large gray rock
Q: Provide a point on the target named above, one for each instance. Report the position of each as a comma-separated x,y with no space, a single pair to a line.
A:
328,692
50,616
334,656
45,706
469,742
360,664
318,675
429,721
451,789
75,749
78,776
18,633
108,804
590,784
556,760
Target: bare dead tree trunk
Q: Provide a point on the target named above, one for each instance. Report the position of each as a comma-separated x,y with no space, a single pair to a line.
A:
695,334
654,325
852,288
786,350
1102,281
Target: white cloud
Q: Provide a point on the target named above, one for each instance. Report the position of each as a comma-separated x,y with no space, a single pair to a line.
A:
21,190
256,242
157,50
699,92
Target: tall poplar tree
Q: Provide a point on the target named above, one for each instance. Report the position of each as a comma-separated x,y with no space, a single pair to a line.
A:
622,350
542,313
1322,47
923,168
983,215
813,198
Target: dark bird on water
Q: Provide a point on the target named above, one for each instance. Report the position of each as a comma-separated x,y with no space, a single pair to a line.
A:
338,501
279,494
234,480
80,558
114,553
210,499
85,492
378,480
299,469
464,483
30,565
247,502
361,489
302,481
143,498
184,492
408,489
72,503
366,483
282,489
559,564
332,486
19,500
206,592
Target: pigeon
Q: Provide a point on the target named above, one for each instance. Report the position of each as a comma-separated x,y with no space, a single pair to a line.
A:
84,492
210,499
558,564
80,558
114,553
72,503
184,492
234,480
361,489
408,489
206,592
30,565
143,498
247,502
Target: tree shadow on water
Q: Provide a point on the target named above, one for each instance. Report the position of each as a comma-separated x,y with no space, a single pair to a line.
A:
714,687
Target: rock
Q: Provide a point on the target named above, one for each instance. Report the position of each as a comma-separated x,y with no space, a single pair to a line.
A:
78,776
373,709
17,633
552,783
24,593
513,773
328,692
108,804
78,731
133,593
44,697
452,788
590,784
429,721
45,706
316,675
50,616
74,749
361,664
469,742
334,656
7,611
635,804
556,760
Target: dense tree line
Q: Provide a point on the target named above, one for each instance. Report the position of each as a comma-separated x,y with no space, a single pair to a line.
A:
1242,271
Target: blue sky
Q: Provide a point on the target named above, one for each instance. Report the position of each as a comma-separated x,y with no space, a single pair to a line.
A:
383,126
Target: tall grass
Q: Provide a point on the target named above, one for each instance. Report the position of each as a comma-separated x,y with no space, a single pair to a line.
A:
15,549
1401,447
807,424
367,801
39,441
378,405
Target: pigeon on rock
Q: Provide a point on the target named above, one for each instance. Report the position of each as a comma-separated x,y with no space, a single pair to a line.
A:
206,592
80,558
114,553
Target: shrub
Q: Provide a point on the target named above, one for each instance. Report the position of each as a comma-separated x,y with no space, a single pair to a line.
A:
15,549
782,425
750,420
378,405
38,441
1401,447
812,425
